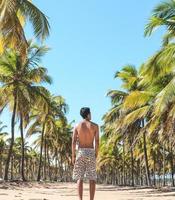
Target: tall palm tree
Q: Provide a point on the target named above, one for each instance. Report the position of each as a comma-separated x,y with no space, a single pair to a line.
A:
148,106
13,14
131,115
45,122
152,105
2,145
20,89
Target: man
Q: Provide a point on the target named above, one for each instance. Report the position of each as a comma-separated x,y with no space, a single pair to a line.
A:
85,133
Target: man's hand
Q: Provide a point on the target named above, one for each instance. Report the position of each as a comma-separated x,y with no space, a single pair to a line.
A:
73,160
96,141
74,141
96,154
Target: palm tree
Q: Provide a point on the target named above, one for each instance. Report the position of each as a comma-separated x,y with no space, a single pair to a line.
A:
146,107
20,88
2,145
130,78
132,110
45,122
163,63
152,106
163,15
13,14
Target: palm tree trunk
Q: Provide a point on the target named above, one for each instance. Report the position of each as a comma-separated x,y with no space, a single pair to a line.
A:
41,150
48,160
163,164
154,169
132,167
56,167
1,164
146,157
124,180
61,168
22,147
45,147
12,139
172,165
141,176
12,166
27,167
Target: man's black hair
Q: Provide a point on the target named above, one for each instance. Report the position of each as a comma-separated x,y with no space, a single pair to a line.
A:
84,112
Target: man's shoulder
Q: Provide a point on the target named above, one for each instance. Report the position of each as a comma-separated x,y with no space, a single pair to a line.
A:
78,124
81,122
93,123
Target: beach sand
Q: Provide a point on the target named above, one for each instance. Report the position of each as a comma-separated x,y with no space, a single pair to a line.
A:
67,191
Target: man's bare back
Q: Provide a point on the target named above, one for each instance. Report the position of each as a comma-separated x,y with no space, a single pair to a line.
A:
86,132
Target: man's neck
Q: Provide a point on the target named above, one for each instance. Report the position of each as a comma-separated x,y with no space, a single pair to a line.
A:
86,120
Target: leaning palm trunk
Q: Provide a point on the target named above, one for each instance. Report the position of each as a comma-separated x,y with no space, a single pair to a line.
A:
146,157
45,157
12,139
146,161
1,164
48,160
22,148
41,150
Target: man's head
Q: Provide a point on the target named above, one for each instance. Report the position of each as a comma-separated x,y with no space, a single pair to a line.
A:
85,113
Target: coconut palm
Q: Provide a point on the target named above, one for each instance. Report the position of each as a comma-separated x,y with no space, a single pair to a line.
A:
151,105
20,89
45,122
163,15
2,145
13,15
130,79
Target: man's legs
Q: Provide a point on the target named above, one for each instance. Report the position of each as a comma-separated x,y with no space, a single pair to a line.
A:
80,189
92,189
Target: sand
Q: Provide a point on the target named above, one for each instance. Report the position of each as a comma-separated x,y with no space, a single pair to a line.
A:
67,191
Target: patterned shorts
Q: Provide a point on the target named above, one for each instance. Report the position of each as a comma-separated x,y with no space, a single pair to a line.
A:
85,164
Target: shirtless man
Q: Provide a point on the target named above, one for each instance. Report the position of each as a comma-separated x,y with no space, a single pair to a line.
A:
85,162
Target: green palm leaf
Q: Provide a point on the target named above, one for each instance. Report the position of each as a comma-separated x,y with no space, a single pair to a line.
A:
136,99
37,18
135,115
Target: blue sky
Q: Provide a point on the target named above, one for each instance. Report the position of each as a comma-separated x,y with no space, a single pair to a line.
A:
91,40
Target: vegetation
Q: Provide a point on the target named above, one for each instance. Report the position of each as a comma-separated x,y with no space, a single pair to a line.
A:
137,146
34,110
13,16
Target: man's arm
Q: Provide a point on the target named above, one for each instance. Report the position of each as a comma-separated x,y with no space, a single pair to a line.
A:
74,141
96,141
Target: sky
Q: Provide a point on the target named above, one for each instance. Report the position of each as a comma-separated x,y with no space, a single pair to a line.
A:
91,40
